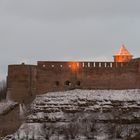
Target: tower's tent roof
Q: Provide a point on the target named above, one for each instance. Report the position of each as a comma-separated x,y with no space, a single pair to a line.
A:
124,51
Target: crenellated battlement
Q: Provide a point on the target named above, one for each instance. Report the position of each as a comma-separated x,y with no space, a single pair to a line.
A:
25,81
80,65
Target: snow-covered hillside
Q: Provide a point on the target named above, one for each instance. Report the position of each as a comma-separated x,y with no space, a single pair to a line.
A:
83,115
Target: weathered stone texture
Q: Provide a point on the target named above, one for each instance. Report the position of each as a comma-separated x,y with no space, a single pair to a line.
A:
24,81
21,82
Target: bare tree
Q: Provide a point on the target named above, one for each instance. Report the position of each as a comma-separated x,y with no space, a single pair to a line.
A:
3,90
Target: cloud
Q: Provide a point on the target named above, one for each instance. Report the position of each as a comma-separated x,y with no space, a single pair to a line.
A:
35,30
62,9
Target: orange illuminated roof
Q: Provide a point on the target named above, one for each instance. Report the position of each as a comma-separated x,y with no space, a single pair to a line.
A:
124,51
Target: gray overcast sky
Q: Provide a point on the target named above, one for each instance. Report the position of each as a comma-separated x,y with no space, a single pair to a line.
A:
32,30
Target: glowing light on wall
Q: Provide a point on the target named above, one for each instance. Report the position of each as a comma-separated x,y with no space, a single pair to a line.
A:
74,66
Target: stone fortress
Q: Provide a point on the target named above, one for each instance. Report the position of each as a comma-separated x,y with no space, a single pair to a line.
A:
26,81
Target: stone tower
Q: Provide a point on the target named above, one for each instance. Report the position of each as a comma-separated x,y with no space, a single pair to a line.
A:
123,55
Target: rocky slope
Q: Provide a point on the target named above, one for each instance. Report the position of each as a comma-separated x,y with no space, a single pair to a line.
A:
83,114
9,117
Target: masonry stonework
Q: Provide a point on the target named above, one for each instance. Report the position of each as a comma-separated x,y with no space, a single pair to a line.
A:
21,82
25,81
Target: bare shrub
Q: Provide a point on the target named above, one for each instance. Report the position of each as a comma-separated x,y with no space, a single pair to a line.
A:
131,131
3,90
118,130
71,131
112,130
115,129
48,131
88,128
137,137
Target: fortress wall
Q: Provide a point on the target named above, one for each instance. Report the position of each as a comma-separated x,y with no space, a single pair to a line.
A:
21,82
24,81
86,75
108,78
52,77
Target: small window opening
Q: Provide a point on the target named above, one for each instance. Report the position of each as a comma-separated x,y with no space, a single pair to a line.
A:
68,83
78,83
57,83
